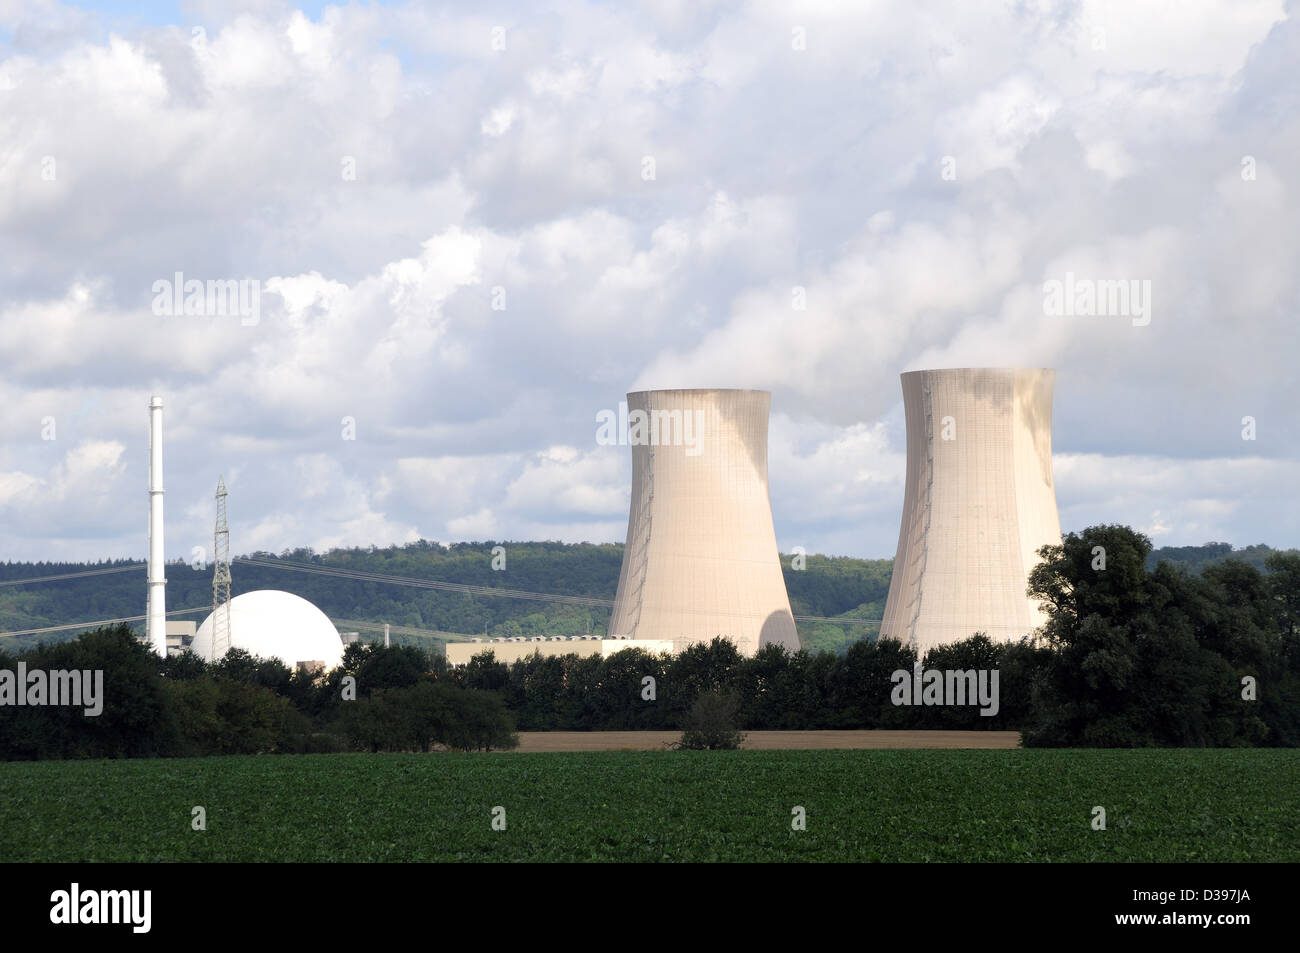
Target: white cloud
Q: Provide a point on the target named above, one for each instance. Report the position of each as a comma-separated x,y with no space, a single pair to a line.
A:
480,524
561,481
487,177
1178,502
499,120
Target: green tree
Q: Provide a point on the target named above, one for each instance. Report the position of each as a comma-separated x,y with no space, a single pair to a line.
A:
134,721
1284,587
700,668
485,673
378,667
711,723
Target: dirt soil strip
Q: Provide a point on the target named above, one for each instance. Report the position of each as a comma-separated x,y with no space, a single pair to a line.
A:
768,740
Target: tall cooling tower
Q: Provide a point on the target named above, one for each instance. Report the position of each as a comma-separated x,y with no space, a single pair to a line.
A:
979,502
701,558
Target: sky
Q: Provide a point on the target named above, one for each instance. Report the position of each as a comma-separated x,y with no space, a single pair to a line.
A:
472,228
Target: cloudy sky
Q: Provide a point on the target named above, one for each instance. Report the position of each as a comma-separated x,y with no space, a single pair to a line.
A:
474,227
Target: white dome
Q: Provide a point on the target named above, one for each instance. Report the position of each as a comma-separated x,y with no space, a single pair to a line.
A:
274,624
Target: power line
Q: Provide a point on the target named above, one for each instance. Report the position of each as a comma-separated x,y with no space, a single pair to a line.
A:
402,630
834,621
92,625
343,623
72,575
362,576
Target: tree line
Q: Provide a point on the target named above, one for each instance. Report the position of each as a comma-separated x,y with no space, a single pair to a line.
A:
377,700
1135,652
1131,655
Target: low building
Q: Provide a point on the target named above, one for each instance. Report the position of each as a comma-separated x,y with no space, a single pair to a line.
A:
511,650
180,635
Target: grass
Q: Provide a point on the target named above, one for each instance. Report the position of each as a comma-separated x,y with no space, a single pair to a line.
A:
1027,805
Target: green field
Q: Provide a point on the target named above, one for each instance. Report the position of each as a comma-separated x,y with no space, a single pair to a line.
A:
1023,805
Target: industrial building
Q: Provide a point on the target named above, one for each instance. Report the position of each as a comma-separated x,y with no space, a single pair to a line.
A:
273,624
267,623
979,502
511,650
701,558
180,636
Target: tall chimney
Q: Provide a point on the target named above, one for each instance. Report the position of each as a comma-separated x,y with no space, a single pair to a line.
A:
156,619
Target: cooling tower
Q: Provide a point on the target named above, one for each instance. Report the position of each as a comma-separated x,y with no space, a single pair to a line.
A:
701,559
979,501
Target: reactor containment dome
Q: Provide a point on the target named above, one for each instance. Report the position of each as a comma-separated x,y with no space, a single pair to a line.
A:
701,559
274,624
979,502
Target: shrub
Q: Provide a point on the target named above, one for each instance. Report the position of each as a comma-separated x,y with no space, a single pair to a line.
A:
711,723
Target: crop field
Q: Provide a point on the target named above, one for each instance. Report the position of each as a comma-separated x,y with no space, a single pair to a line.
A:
860,805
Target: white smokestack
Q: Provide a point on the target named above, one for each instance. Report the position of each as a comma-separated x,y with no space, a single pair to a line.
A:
156,619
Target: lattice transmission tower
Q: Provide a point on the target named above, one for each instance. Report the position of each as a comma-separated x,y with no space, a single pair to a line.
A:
220,578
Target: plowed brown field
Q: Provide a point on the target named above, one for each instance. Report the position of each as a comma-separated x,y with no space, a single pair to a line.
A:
768,740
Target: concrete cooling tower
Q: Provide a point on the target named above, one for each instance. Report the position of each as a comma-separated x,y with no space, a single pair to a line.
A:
701,558
979,501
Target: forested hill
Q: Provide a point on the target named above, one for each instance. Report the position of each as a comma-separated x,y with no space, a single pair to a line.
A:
825,587
1197,558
